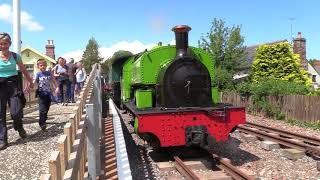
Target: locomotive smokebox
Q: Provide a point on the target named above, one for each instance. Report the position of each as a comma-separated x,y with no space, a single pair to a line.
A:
181,33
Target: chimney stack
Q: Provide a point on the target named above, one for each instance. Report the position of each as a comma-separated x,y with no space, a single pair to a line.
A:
299,35
299,47
181,33
50,49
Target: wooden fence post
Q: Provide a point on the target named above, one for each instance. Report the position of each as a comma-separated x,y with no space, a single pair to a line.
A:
63,149
67,132
55,166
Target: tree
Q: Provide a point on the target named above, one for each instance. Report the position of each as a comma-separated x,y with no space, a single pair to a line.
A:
226,47
277,61
91,55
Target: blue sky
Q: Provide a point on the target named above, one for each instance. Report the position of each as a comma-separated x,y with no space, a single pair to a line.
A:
136,25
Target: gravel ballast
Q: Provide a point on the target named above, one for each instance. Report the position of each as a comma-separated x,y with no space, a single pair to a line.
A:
272,164
28,158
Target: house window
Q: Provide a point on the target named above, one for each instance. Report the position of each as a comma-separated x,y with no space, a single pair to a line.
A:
30,69
27,54
314,78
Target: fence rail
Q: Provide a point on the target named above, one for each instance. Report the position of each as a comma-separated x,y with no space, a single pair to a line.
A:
305,108
70,160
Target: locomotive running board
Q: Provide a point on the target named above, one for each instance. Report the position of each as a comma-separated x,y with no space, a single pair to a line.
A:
217,110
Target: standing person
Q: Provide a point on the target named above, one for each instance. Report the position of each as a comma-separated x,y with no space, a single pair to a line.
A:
60,72
81,76
72,78
9,89
44,79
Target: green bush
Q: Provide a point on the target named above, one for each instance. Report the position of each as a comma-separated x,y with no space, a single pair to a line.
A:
313,125
224,79
272,87
269,87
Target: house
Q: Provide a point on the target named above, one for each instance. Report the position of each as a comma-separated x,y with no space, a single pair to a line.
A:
299,47
314,74
30,56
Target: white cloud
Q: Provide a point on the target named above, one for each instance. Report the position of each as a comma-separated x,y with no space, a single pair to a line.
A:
76,55
134,47
106,52
26,19
6,13
28,23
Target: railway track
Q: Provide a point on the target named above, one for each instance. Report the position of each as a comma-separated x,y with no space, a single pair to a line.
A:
222,163
310,145
233,171
205,166
307,139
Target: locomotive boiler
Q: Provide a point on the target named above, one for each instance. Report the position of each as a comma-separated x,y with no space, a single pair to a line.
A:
171,94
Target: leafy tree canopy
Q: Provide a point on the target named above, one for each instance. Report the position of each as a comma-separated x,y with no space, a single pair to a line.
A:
226,46
91,55
277,61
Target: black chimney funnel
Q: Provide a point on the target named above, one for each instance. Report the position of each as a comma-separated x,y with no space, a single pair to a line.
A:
181,32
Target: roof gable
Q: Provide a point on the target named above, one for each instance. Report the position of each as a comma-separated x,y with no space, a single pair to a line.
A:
317,68
39,54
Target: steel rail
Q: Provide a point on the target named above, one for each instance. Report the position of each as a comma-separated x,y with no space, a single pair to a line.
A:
308,139
284,141
184,170
233,171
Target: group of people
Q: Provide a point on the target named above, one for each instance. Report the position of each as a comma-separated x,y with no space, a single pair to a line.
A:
49,87
69,76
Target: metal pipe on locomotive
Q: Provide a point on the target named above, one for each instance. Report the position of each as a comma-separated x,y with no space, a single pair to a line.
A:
171,93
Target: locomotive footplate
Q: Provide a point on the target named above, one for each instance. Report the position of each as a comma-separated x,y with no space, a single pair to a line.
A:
219,110
187,126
